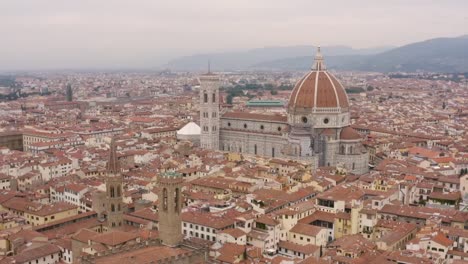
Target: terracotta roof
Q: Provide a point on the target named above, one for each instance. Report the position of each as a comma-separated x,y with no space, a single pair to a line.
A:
114,238
36,253
266,220
84,235
144,255
306,249
348,133
234,232
306,229
442,240
318,89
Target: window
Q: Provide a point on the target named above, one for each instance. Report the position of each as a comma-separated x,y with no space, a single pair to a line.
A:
165,199
229,124
205,97
273,152
245,125
304,120
112,192
213,98
255,149
326,120
262,127
279,129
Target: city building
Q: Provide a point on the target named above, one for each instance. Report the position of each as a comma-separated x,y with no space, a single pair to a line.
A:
316,128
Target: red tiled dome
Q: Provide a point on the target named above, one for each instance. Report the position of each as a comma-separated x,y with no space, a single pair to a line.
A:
317,89
348,133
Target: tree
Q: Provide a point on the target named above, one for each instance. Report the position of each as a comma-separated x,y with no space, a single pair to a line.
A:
229,99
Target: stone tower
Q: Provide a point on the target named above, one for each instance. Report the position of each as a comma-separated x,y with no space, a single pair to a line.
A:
170,207
69,93
114,201
209,111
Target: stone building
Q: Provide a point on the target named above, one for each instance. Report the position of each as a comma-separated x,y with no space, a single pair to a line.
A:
12,140
169,208
114,202
209,111
316,128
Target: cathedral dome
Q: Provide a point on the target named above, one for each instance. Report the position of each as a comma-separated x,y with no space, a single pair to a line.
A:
318,91
348,133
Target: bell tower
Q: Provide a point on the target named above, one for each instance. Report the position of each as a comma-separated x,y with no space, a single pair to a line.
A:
170,208
114,201
209,111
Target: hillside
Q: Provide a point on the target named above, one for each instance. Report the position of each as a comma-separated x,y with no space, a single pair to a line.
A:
243,60
434,55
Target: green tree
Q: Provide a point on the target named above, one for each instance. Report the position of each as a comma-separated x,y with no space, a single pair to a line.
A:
229,98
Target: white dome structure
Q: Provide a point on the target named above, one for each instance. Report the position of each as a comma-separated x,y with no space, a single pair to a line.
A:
191,132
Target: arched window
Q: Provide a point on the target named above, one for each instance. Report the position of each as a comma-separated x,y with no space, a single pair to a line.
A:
165,199
112,192
176,199
205,97
342,150
351,150
255,149
118,191
273,152
214,98
112,208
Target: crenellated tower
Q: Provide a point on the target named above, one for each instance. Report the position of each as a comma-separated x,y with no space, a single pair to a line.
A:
170,208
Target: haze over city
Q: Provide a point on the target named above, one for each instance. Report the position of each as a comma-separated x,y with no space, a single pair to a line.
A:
233,132
117,34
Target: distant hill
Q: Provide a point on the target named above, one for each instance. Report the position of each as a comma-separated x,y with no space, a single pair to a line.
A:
244,60
436,55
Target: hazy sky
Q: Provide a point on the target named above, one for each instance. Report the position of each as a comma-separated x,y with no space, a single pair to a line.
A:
45,34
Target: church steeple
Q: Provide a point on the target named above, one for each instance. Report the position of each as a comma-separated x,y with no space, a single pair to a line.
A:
318,61
114,183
